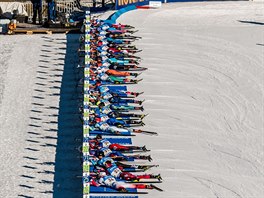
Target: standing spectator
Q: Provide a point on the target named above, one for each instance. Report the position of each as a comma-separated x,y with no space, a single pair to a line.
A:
51,11
37,9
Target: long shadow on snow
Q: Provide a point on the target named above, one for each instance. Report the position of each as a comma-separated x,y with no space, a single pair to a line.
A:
67,163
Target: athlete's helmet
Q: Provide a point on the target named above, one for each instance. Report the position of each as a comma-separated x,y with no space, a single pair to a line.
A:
101,153
99,136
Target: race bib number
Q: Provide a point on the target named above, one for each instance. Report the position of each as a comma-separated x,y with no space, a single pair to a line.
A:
109,181
107,103
116,172
104,126
104,118
107,152
107,96
104,77
106,144
103,89
106,110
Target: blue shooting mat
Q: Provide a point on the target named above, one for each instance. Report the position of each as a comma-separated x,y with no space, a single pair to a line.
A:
119,140
96,132
94,189
117,88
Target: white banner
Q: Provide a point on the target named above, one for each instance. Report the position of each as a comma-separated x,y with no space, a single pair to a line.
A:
155,4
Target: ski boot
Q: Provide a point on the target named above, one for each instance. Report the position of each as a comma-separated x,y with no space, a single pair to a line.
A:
149,158
137,94
140,102
144,148
143,116
135,74
158,177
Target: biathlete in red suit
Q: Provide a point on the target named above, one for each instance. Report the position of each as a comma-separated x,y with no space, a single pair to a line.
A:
99,142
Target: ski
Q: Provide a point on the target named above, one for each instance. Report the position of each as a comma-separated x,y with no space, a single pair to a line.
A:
129,69
136,69
145,167
140,93
149,167
135,171
137,81
149,132
135,151
155,187
143,182
135,125
145,132
139,74
127,83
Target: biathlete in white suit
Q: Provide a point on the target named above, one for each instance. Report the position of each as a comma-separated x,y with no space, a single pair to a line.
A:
102,179
103,126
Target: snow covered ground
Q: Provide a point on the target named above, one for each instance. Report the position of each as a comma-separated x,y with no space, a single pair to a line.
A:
30,91
203,90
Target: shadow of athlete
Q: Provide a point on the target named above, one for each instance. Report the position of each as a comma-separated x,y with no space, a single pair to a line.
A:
67,165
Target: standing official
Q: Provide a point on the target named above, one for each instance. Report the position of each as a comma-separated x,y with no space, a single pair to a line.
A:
37,10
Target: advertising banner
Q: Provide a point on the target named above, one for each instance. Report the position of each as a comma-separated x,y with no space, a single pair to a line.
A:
123,3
